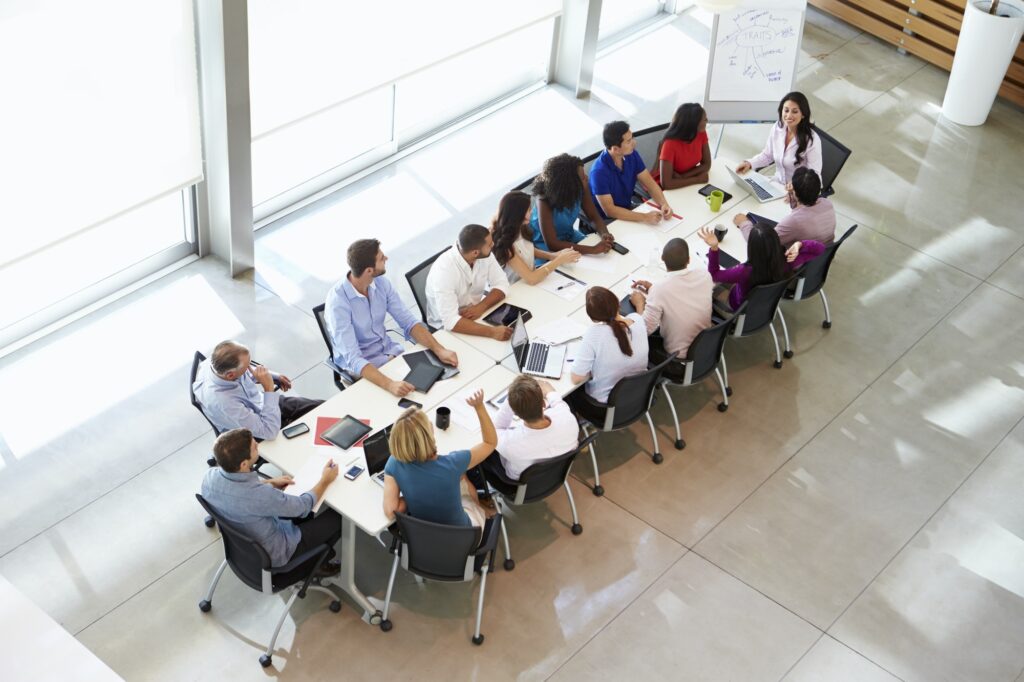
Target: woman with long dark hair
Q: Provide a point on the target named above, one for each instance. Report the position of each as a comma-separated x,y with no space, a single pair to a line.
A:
513,246
792,143
684,156
614,348
562,190
766,261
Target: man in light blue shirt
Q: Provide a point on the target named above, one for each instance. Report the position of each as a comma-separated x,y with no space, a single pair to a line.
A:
262,510
235,392
354,313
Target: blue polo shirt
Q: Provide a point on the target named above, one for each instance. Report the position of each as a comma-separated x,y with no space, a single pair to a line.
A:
606,178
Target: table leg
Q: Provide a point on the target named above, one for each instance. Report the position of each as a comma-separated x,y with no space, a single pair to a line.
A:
347,577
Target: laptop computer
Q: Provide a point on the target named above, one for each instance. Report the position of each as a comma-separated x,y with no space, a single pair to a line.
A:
758,186
538,359
377,451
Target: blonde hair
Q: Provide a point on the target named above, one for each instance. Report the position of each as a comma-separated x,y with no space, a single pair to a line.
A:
412,437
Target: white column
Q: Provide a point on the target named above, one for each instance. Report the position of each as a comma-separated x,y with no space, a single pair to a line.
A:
577,45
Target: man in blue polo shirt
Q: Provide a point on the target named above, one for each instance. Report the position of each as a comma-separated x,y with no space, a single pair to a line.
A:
614,176
354,313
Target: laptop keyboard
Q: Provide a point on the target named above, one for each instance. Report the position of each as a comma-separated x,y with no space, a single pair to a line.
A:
537,358
758,190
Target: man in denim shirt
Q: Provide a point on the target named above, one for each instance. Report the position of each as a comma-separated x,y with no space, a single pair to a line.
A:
260,508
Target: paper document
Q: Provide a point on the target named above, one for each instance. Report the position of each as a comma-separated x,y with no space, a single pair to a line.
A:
602,263
560,285
463,414
664,225
309,475
559,331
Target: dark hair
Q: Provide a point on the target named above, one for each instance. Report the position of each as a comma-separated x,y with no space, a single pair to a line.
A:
806,185
613,133
227,356
685,122
508,225
362,254
603,306
765,256
676,254
526,398
232,448
472,237
803,128
559,181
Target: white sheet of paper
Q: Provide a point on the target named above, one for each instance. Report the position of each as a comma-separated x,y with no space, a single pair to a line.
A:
309,475
664,225
559,331
602,263
560,285
463,414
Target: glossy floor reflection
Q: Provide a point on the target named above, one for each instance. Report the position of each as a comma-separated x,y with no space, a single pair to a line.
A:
853,516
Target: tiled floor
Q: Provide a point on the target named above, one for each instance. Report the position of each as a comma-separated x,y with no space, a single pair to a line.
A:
854,516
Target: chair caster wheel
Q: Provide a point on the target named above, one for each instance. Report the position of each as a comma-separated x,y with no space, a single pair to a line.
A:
722,407
577,529
728,391
265,661
509,564
826,325
787,354
777,364
335,606
478,640
657,458
598,490
385,625
211,462
209,521
205,606
680,444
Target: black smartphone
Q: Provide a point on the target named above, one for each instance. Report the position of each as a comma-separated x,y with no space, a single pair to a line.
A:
295,430
353,473
619,248
405,403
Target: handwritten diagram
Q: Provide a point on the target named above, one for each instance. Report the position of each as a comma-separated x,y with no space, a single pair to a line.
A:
755,54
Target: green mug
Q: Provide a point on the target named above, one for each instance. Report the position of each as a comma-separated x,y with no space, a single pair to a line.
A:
715,200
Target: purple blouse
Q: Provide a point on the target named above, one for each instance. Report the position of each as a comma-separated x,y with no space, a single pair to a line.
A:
739,275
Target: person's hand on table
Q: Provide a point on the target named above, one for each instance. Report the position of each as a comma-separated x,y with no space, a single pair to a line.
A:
545,386
603,246
666,211
565,256
739,219
448,357
400,388
743,167
471,312
792,252
608,237
262,376
652,218
708,235
280,482
501,333
284,382
476,400
329,473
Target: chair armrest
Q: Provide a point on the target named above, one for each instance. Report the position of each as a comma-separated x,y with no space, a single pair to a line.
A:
490,537
587,441
346,377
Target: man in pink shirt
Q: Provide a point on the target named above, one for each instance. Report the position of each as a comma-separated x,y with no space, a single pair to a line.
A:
813,217
680,304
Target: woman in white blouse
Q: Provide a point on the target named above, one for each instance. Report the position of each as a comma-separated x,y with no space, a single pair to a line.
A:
792,143
513,242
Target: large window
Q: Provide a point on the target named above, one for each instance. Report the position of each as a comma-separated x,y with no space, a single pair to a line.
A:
100,142
619,16
337,86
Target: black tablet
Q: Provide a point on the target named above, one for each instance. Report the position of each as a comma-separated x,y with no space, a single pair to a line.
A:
506,314
706,190
346,432
423,376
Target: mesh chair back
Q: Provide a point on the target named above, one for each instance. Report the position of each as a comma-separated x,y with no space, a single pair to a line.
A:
417,279
648,141
434,550
197,360
318,314
833,156
705,351
631,397
814,273
545,477
245,556
762,302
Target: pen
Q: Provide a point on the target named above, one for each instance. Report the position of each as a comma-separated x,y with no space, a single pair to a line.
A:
571,277
674,215
564,286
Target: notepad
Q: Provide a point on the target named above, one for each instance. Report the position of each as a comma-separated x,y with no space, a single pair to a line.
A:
602,263
664,225
309,475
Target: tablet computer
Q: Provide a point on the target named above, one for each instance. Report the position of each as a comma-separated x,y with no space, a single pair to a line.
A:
423,376
346,432
505,314
706,191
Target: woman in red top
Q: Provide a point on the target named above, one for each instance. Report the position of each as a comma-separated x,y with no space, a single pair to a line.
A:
684,157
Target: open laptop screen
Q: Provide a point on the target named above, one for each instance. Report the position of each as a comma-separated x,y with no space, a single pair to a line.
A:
377,451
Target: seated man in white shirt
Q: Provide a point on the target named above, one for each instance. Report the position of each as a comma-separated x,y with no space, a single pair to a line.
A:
235,393
546,427
680,304
457,282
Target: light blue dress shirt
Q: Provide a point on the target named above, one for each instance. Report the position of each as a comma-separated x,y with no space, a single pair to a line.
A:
355,324
257,509
239,404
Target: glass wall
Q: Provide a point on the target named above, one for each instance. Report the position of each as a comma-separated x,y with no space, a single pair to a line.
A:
619,16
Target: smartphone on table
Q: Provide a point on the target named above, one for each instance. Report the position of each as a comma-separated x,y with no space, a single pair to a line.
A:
353,473
295,430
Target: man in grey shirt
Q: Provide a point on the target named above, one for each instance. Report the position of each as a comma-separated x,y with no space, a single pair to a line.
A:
260,508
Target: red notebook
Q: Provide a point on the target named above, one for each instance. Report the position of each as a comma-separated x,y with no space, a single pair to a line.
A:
324,423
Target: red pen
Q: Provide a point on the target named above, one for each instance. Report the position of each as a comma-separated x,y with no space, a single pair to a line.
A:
674,215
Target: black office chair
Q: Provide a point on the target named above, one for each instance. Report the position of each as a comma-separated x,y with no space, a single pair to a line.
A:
760,310
648,142
538,481
342,379
197,359
444,553
704,356
833,157
812,276
417,279
525,186
630,400
251,563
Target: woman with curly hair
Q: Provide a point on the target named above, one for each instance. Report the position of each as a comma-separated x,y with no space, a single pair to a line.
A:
513,245
562,189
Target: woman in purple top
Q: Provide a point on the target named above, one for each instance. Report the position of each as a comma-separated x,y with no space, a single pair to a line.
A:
766,261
